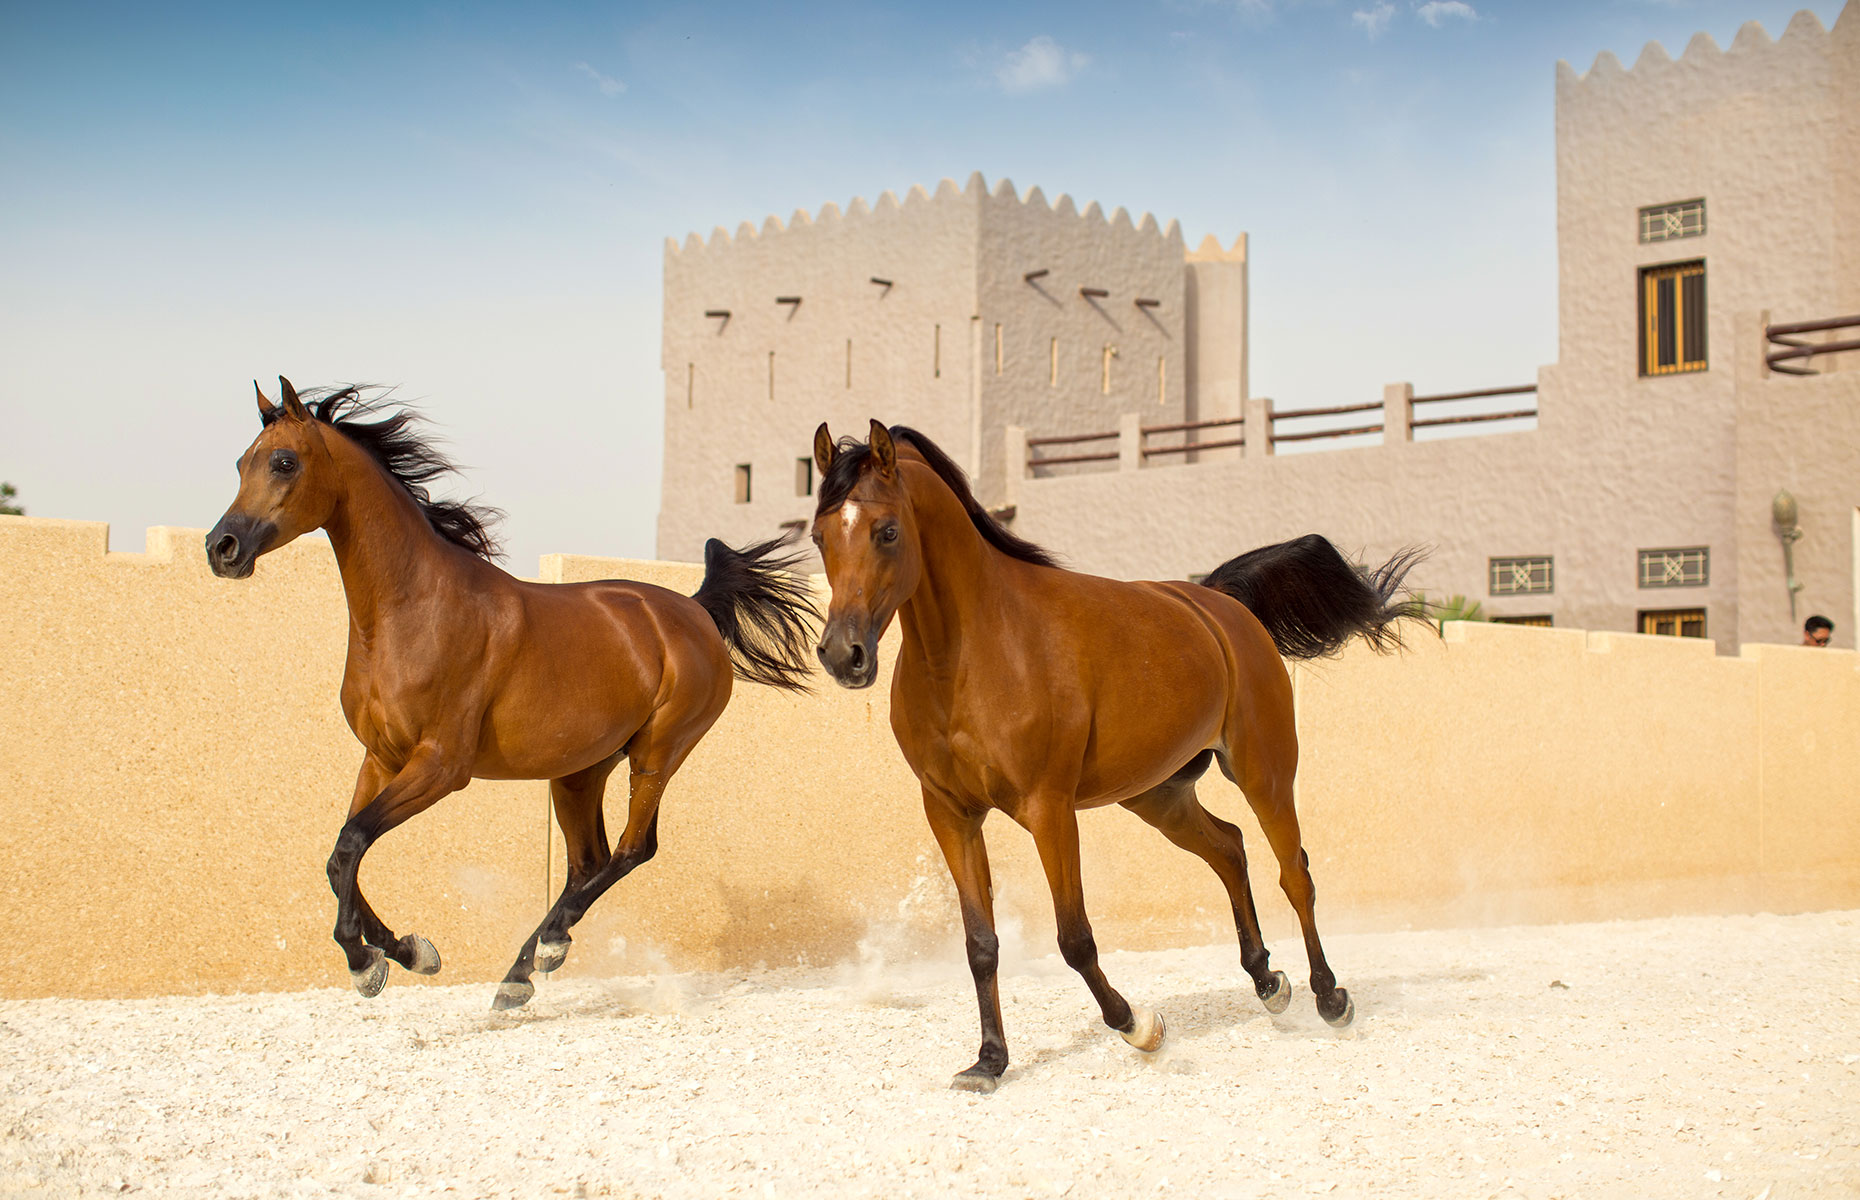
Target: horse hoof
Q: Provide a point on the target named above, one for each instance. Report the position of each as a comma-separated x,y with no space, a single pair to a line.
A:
975,1080
425,956
1280,997
1146,1029
1344,1017
512,995
372,978
550,955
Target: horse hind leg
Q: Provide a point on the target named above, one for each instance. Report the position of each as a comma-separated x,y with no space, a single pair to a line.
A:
577,800
654,753
1173,808
1270,797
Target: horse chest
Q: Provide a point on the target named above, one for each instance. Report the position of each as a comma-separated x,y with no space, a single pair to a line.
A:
391,711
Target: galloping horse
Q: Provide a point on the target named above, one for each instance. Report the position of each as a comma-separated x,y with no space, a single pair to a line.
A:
1039,691
458,671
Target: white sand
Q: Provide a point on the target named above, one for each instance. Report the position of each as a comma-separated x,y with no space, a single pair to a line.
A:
1684,1057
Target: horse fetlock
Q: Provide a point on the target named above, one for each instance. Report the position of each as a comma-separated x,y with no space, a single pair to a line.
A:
550,955
1146,1029
372,975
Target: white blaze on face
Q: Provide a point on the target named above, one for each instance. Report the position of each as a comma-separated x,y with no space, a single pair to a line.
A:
849,515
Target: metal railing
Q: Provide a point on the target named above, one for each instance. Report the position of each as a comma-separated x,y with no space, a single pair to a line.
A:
1188,427
1794,347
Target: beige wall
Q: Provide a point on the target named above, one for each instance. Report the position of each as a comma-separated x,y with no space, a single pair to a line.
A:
174,767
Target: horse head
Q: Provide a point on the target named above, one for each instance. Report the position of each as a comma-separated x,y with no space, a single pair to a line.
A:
286,487
867,535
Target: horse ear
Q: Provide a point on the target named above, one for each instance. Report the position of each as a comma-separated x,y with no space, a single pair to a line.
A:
267,411
884,452
823,450
293,407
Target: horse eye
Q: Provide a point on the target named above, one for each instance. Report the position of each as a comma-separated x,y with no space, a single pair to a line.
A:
283,463
888,534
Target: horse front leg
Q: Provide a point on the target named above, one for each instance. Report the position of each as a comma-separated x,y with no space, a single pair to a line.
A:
412,952
1055,829
429,775
958,833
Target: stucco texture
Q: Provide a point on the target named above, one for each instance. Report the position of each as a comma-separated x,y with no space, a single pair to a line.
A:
174,768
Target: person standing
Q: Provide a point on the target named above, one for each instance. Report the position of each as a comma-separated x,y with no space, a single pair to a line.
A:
1817,630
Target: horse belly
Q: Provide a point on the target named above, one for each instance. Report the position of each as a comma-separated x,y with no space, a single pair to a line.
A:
1146,730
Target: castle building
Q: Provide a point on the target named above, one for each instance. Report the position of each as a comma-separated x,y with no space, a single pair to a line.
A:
1689,465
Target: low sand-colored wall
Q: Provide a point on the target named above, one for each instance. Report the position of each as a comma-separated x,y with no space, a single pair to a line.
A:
174,767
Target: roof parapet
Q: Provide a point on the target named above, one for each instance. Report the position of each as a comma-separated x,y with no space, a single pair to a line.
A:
1701,50
947,191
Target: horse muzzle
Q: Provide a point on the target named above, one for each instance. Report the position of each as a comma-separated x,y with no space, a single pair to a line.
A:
235,544
852,659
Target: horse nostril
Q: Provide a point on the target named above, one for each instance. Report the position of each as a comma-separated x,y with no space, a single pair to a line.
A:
227,548
856,662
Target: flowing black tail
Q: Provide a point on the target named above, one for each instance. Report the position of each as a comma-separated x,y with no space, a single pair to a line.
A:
763,610
1312,600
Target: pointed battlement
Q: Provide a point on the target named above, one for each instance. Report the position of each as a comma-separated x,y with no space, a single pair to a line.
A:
948,195
1804,36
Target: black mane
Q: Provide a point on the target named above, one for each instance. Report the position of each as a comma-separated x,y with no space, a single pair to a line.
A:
849,464
408,459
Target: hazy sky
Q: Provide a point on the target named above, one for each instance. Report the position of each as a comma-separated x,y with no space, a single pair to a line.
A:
470,201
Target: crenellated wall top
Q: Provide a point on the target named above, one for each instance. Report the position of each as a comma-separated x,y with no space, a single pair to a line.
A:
948,195
1804,35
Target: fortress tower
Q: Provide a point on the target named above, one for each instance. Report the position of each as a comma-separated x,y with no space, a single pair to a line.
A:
1708,217
960,313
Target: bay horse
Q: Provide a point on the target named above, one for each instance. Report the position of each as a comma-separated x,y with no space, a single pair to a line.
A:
456,670
1039,691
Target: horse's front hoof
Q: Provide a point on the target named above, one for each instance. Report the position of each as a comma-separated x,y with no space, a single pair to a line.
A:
425,955
550,955
1146,1029
512,995
372,978
977,1080
1279,997
1342,1006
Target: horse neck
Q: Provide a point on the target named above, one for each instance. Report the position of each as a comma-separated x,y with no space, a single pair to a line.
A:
386,549
961,573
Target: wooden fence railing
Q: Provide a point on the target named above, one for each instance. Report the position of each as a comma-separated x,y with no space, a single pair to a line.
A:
1146,451
1311,435
1188,427
1471,418
1035,459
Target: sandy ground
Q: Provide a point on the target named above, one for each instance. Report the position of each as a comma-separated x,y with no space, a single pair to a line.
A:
1684,1057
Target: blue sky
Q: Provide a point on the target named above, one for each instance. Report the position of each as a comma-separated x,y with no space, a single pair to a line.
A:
469,201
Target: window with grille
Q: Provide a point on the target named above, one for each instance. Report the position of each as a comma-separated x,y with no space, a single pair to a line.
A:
1675,568
1522,576
1538,620
742,483
803,476
1672,318
1664,222
1674,622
